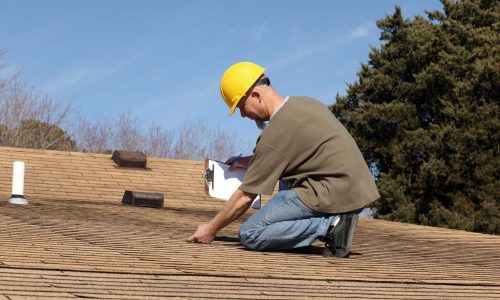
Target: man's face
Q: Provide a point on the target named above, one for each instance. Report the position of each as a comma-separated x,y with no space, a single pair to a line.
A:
246,107
251,106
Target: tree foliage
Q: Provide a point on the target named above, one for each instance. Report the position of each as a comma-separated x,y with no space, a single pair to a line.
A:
425,113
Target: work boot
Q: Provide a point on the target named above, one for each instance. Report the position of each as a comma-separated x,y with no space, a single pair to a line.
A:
338,239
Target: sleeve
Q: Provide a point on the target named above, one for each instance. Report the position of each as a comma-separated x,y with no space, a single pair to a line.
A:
266,168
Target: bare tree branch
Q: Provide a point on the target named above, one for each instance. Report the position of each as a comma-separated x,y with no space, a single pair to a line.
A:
29,118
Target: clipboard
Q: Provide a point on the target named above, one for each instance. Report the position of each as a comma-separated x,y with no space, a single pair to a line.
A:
221,183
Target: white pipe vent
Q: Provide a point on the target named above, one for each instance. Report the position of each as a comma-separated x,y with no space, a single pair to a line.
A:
17,196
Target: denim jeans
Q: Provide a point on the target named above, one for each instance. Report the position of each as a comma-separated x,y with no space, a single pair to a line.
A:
284,223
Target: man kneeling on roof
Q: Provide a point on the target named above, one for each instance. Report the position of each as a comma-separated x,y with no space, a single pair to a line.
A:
324,180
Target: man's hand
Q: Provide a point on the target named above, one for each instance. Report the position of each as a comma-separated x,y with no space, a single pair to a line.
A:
239,162
233,159
205,234
236,205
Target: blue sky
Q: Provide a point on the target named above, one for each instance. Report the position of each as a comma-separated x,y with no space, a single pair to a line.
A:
162,60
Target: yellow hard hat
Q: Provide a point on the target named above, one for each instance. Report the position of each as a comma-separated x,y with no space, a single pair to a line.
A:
237,80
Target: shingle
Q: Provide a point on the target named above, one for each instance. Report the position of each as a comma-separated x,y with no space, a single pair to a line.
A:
76,239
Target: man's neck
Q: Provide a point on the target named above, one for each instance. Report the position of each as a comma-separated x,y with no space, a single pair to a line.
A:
275,105
280,104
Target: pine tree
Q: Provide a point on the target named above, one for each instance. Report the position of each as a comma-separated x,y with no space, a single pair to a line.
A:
425,113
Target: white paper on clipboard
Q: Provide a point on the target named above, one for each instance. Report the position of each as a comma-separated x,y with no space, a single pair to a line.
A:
222,183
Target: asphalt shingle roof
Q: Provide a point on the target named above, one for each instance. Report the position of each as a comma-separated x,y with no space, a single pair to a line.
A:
76,239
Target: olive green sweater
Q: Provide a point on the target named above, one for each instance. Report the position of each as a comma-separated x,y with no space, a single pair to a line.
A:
306,145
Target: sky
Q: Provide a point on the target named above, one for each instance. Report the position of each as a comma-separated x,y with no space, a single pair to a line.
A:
161,60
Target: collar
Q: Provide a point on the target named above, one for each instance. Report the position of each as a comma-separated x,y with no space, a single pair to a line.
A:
280,106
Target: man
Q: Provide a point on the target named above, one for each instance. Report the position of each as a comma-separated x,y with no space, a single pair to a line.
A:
324,180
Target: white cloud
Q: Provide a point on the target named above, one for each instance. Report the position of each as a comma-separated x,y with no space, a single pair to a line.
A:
301,54
172,103
68,80
8,72
81,76
259,32
361,31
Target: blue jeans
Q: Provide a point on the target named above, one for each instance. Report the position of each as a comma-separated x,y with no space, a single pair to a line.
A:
284,223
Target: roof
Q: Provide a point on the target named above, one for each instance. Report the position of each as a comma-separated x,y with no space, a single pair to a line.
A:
76,239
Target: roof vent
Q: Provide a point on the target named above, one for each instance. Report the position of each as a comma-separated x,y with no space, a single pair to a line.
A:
154,200
129,159
18,184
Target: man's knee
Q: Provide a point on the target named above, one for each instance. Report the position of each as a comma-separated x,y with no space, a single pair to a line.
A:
249,239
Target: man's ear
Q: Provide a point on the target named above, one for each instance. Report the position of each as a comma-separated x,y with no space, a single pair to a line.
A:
256,94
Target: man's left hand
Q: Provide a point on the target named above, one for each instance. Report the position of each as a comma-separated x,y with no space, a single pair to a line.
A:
205,234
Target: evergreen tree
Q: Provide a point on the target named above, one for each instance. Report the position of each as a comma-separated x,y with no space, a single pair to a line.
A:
37,135
425,113
41,135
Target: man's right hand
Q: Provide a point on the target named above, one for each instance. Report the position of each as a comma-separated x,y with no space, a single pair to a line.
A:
205,234
239,162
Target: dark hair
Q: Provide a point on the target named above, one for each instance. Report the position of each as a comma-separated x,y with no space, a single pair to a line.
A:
263,80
